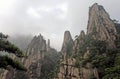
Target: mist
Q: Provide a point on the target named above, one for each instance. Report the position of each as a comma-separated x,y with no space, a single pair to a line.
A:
49,17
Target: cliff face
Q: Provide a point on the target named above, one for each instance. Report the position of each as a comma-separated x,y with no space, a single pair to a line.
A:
101,33
100,25
87,57
67,68
96,44
35,54
40,57
90,48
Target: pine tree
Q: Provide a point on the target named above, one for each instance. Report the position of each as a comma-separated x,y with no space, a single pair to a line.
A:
6,61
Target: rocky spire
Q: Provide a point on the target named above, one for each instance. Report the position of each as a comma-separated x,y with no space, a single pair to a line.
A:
48,44
82,34
35,52
67,42
100,25
37,44
78,42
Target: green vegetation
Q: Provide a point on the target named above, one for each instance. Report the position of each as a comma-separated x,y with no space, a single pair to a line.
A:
50,65
106,60
103,59
6,61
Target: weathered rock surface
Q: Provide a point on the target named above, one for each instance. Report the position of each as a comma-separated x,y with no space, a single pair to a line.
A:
78,42
67,65
100,25
67,43
68,70
35,54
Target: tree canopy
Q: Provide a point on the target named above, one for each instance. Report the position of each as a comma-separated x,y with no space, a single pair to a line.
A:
6,61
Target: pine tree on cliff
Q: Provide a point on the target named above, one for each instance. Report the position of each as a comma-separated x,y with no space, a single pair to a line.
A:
5,61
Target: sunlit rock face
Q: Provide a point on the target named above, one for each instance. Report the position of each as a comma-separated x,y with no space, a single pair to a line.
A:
100,25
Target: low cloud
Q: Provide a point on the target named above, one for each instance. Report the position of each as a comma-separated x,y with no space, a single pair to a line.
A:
49,17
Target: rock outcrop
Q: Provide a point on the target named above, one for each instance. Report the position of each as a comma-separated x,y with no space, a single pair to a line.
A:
67,68
78,42
81,58
101,26
35,54
48,45
38,54
67,43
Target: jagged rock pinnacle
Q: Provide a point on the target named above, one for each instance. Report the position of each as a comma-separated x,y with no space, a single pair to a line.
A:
101,25
67,42
82,34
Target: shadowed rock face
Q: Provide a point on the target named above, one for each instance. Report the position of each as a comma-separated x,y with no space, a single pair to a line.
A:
100,25
67,42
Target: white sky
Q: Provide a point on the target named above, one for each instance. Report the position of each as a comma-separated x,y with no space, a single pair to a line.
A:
50,17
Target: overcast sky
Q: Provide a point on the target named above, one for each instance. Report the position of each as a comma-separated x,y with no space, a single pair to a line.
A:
50,17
